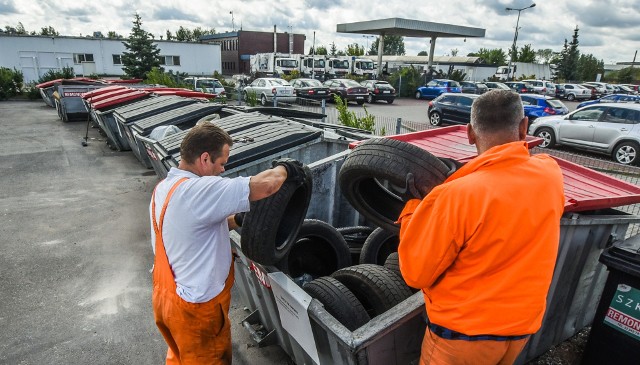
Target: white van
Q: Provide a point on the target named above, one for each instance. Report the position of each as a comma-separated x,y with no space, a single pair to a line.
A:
205,84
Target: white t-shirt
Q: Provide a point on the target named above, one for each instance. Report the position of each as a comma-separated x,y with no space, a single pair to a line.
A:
195,230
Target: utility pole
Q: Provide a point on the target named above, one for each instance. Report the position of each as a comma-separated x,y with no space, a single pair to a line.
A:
313,56
233,24
515,37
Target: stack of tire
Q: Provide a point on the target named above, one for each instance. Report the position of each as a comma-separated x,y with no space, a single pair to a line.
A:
319,257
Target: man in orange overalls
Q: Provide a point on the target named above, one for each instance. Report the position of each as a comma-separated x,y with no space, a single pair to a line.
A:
482,246
193,271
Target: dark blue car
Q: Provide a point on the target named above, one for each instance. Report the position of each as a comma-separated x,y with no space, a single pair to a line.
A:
435,87
614,98
536,106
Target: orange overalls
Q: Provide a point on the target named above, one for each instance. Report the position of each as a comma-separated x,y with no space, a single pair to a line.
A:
197,333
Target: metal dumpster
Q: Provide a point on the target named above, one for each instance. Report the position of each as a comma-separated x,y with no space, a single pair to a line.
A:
395,336
183,117
69,103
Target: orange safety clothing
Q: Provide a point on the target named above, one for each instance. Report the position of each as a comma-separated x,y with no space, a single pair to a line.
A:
482,246
197,333
439,351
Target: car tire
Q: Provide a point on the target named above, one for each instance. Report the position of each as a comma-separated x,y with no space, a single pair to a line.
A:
263,100
571,97
319,250
435,119
548,137
360,102
370,99
390,101
627,153
375,171
418,95
355,237
375,286
378,246
271,227
393,263
339,301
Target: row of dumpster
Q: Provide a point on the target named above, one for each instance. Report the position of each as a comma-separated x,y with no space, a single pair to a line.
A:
151,122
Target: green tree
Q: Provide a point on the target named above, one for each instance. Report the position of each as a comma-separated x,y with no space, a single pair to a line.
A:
589,67
423,53
354,49
494,56
199,32
333,50
142,54
411,78
627,75
49,30
454,52
544,55
568,60
184,34
113,35
20,29
169,35
322,50
393,45
526,54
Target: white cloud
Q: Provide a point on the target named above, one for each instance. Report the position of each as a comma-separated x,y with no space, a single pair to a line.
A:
607,27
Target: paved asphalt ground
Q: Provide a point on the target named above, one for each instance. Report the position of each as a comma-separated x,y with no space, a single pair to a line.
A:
75,252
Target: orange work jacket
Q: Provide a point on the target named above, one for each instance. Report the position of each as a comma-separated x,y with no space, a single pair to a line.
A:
482,246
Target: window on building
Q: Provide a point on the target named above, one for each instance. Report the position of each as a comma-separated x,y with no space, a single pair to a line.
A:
78,58
117,59
170,60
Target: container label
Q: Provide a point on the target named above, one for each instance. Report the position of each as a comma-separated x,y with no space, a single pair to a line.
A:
624,311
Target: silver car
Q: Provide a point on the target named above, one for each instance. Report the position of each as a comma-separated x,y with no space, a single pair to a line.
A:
267,88
611,129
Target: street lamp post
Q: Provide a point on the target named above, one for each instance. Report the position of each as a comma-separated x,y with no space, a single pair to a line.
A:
367,49
515,37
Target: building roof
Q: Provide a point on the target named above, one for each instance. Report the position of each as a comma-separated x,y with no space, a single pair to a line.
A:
409,28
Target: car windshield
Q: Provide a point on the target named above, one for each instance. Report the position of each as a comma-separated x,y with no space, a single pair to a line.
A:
555,103
366,65
318,63
454,84
288,63
343,64
313,83
209,84
351,83
280,82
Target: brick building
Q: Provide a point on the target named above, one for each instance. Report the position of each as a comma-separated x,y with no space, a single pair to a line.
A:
236,47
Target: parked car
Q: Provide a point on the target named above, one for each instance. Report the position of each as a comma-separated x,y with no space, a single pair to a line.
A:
450,108
379,90
576,92
601,87
520,87
612,129
539,86
266,88
205,84
594,91
559,91
436,87
348,90
615,98
473,87
551,88
623,89
536,106
310,89
496,85
632,87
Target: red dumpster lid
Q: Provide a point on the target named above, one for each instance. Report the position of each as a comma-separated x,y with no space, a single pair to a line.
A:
119,99
73,80
584,188
120,81
98,94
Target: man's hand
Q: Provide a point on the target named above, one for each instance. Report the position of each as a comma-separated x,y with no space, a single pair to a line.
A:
238,218
295,172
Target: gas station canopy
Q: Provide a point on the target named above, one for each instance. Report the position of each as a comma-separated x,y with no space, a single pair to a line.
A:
409,28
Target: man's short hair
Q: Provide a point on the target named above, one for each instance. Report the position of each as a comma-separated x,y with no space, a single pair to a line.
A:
206,137
497,111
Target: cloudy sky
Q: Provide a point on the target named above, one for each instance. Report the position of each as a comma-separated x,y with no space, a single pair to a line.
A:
609,29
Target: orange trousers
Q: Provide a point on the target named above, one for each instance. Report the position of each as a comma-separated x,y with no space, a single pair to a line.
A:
439,351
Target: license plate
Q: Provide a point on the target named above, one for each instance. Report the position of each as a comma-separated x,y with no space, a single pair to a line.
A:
386,92
322,92
359,97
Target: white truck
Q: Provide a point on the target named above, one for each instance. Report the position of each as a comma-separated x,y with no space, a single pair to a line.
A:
337,68
362,67
519,70
205,84
273,64
313,66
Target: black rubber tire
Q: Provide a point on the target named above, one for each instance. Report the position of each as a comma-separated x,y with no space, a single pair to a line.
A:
375,286
378,246
319,250
390,101
376,169
355,237
418,95
571,97
435,119
263,100
360,102
339,301
271,226
549,138
370,99
393,263
627,153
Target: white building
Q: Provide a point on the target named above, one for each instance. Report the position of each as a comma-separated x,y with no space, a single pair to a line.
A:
35,55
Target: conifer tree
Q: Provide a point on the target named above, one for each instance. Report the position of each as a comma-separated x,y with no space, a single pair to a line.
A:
142,54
